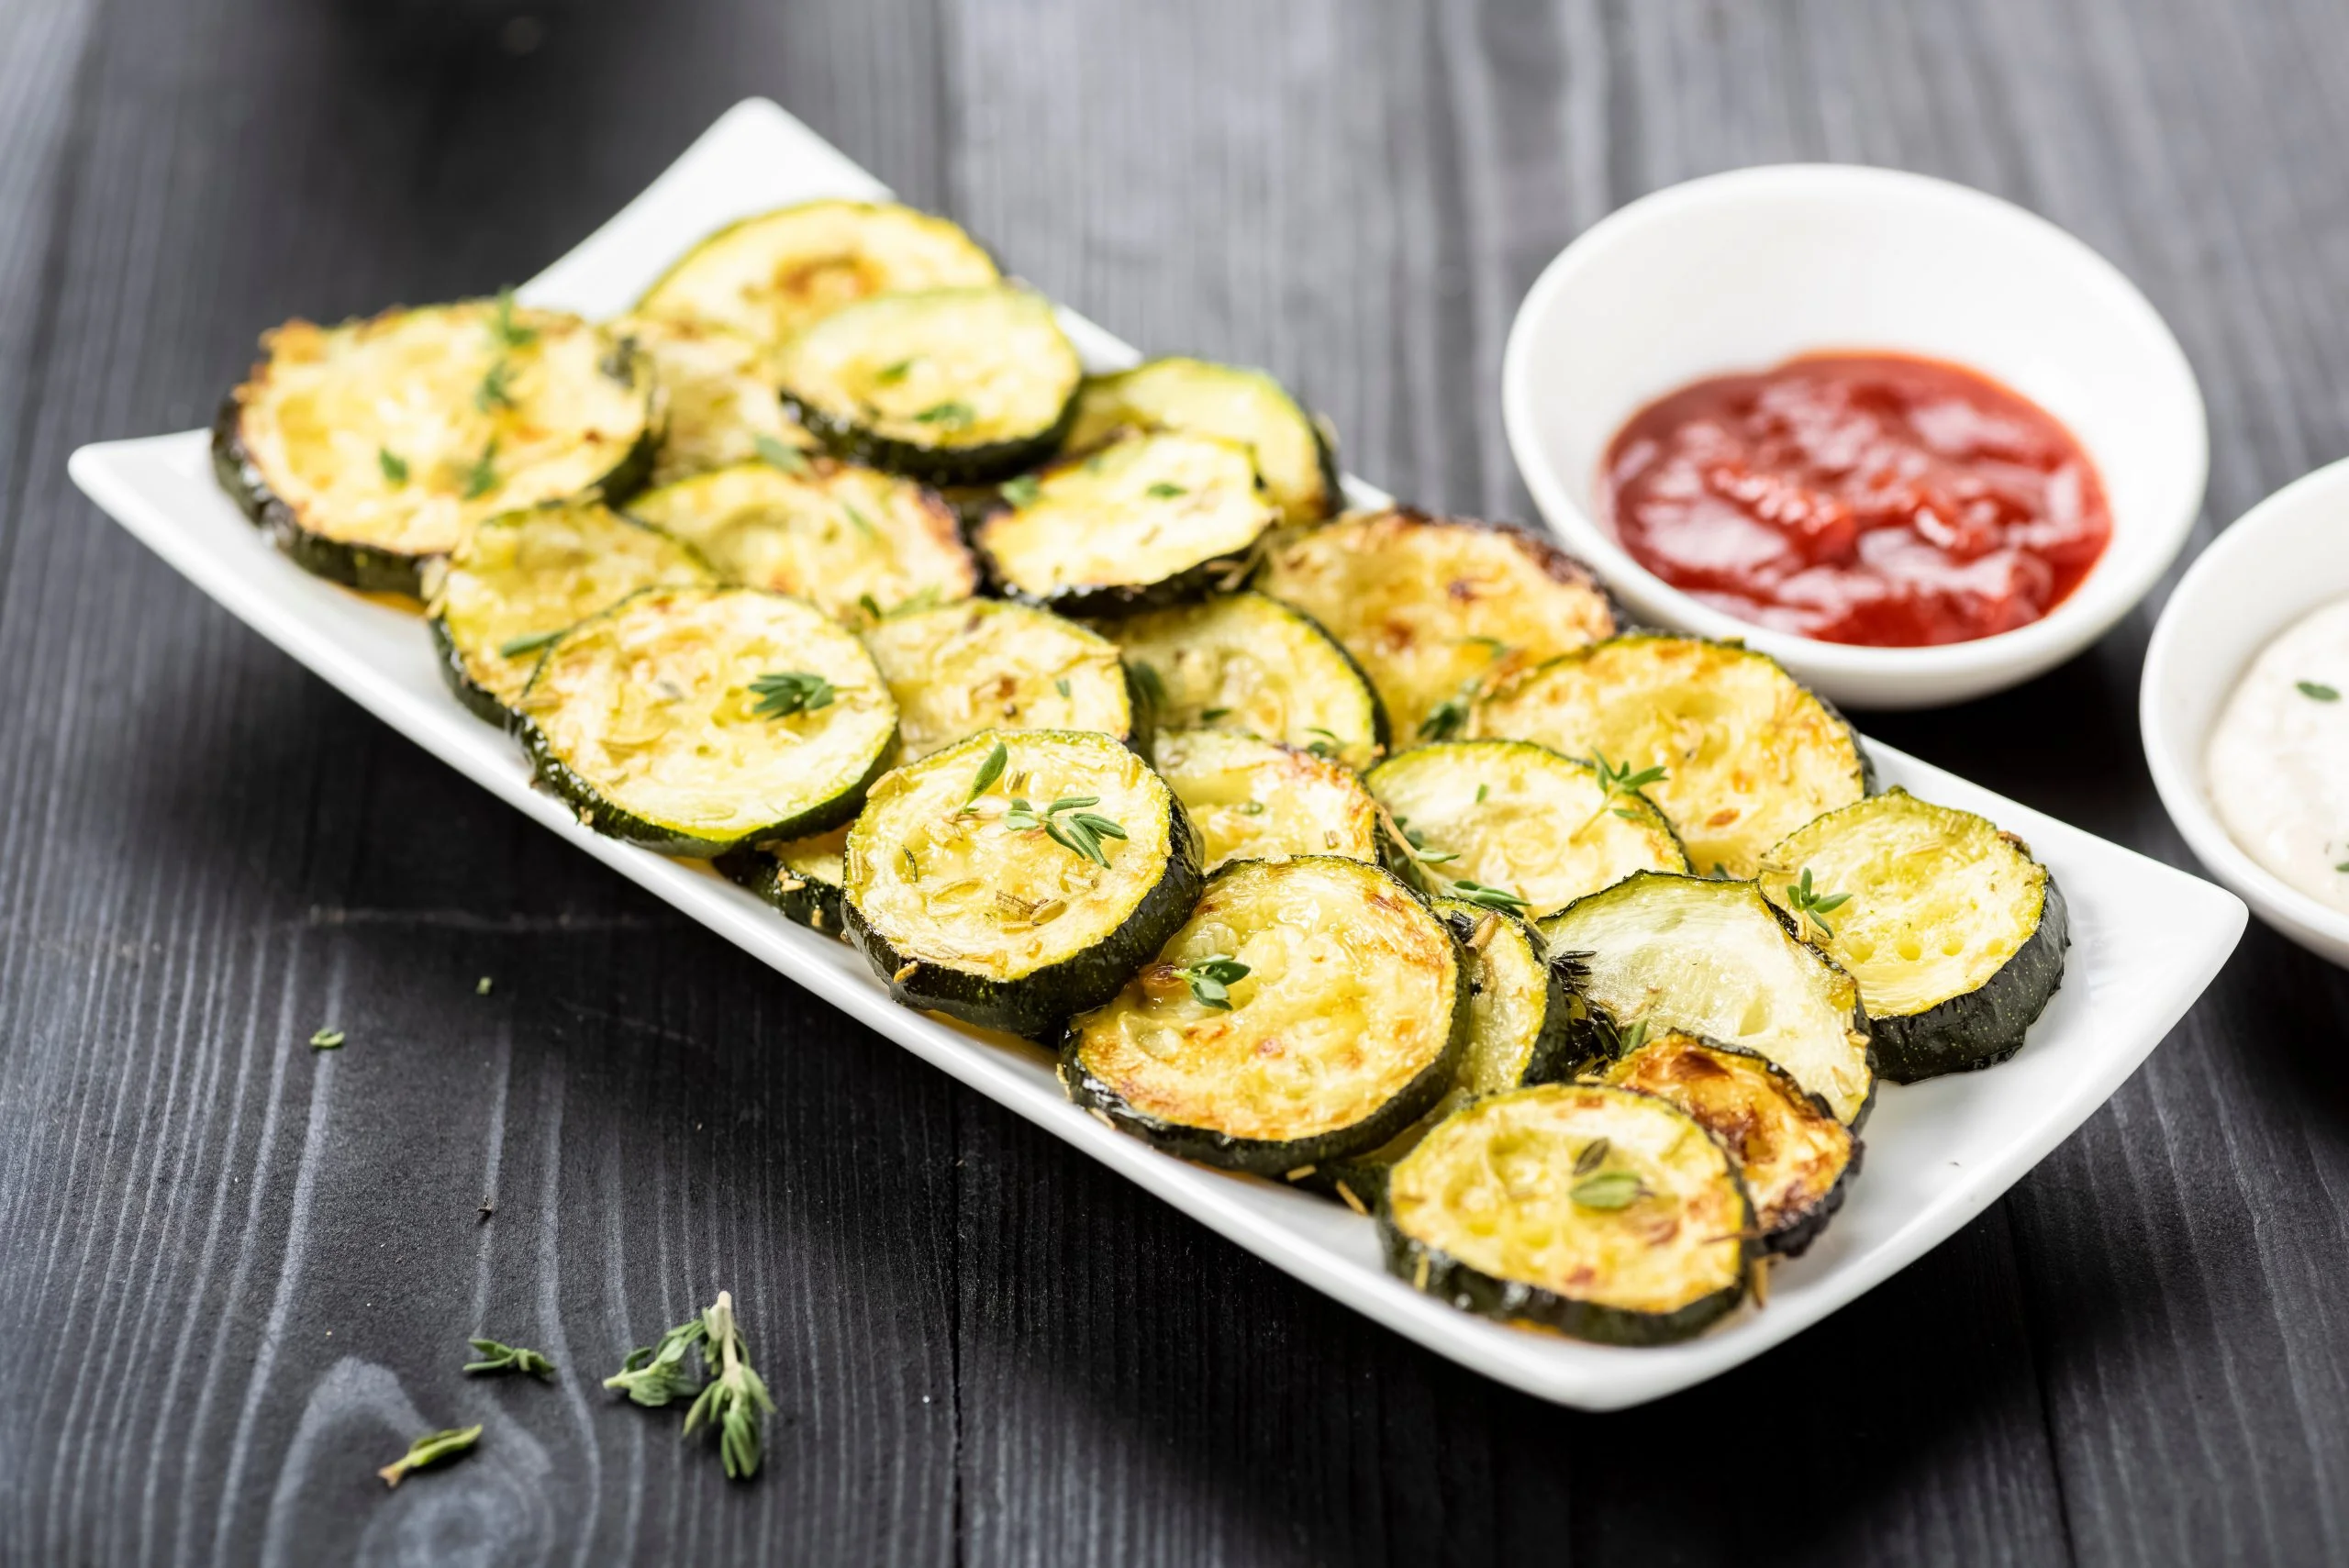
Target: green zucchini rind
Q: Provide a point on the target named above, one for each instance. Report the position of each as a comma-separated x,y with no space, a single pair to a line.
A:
852,541
1145,522
1714,958
772,276
1298,466
647,719
805,878
1342,1032
1436,608
1006,927
520,580
723,401
949,386
1748,753
987,665
1484,1214
1259,800
1797,1160
1520,820
362,450
1252,665
1955,935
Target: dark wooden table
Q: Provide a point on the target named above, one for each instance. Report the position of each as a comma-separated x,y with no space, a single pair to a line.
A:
236,1275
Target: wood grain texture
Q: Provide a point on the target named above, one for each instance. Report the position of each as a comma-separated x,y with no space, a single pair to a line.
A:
236,1276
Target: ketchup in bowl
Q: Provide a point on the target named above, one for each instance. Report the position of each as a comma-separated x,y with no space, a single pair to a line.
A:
1868,498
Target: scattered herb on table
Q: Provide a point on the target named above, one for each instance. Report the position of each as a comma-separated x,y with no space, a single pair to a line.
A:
433,1448
326,1039
496,1357
728,1394
481,987
1609,1190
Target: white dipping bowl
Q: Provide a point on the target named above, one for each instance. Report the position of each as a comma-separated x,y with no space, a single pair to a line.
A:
2282,559
1742,270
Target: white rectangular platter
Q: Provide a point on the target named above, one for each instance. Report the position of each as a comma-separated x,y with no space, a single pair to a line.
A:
2146,938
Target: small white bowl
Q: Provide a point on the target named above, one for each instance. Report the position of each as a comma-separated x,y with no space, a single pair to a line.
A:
1741,270
2282,559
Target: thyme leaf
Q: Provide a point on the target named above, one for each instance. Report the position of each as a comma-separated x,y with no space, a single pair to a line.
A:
1066,823
779,454
783,692
326,1039
2317,691
395,466
1211,979
1608,1190
482,478
1020,492
1163,490
989,771
496,389
1593,1155
509,333
949,413
1813,903
430,1449
1620,779
530,642
1488,898
496,1357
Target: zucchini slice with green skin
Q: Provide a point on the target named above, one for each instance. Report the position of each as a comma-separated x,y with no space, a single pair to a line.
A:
724,403
853,541
1515,825
774,275
963,907
1955,935
1252,665
690,721
1714,959
1603,1214
521,580
365,449
1436,608
1299,470
1259,800
805,878
986,664
1145,522
1747,753
1339,1018
952,386
1795,1158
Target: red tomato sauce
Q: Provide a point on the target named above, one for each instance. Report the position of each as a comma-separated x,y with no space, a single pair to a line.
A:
1870,498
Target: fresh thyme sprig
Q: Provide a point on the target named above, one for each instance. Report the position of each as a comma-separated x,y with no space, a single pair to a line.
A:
1211,979
654,1374
783,692
433,1448
1811,903
1488,898
1419,846
726,1393
1616,780
495,1357
1079,831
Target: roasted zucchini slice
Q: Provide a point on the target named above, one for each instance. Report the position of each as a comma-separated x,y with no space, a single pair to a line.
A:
984,664
773,275
724,404
1795,1157
1144,522
1747,755
1597,1212
1253,666
690,721
1436,607
982,882
854,541
1955,935
954,387
1300,472
1258,800
364,449
519,581
1713,958
1309,1008
802,877
1515,826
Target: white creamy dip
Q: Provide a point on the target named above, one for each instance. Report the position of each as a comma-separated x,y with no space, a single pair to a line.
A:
2278,764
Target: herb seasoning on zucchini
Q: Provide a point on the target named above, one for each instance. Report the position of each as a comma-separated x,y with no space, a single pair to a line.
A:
771,276
724,405
364,449
1435,608
986,664
1600,1213
1309,1008
802,877
508,592
1258,800
1147,521
1252,665
1659,952
690,721
1017,877
1747,755
953,386
1955,935
1795,1158
1519,818
1300,472
854,541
